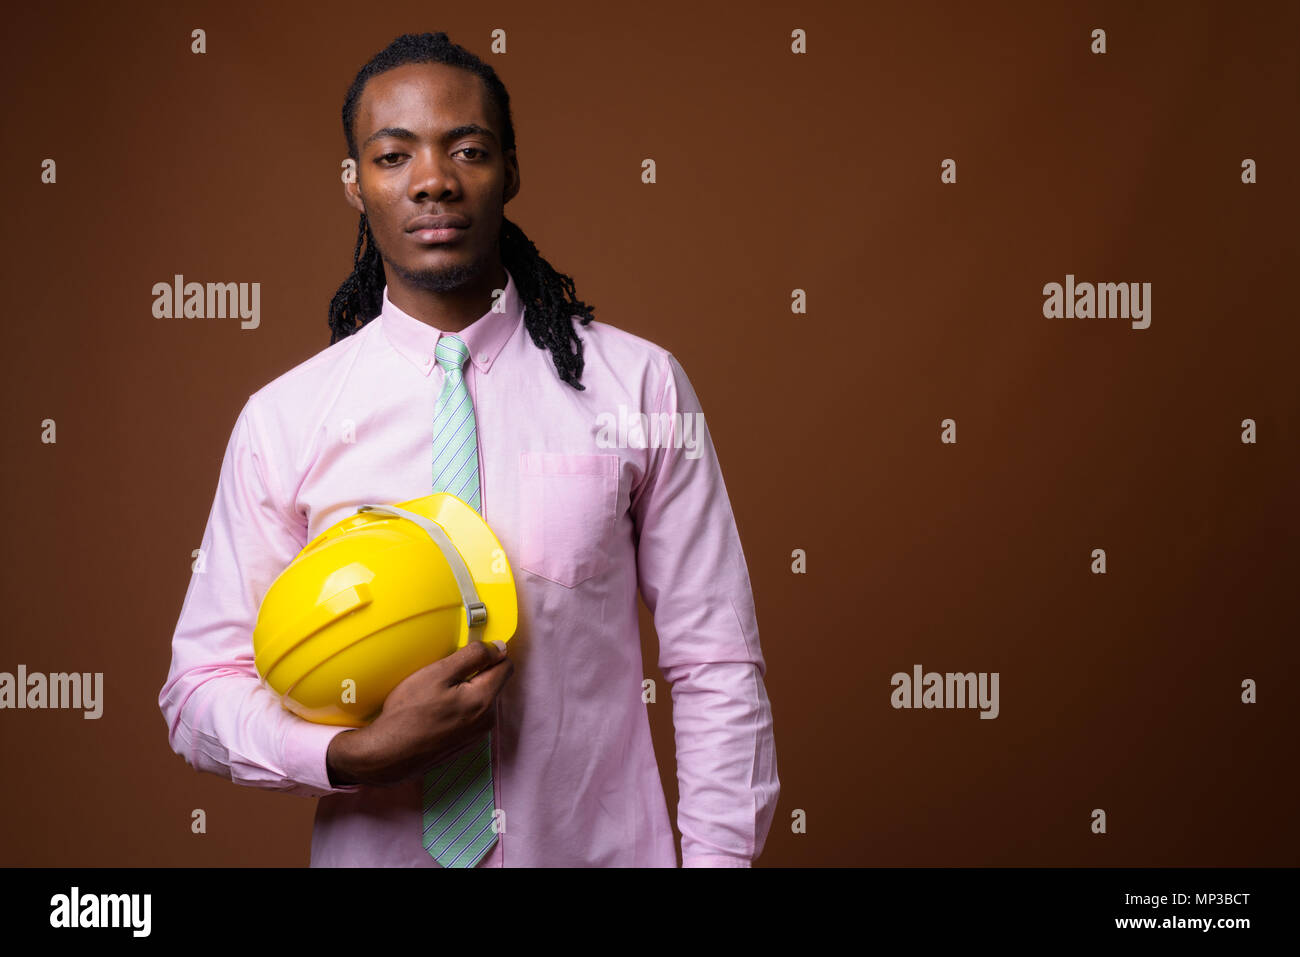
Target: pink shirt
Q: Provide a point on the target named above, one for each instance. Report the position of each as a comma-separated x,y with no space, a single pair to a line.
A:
584,518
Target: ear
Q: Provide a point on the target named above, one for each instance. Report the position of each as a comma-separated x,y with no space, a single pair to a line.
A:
352,194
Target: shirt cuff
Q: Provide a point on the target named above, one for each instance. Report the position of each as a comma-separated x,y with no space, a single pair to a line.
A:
715,860
305,746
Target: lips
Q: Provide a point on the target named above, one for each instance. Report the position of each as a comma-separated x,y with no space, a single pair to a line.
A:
445,221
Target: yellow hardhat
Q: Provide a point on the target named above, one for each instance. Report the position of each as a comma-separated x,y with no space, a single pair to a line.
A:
374,598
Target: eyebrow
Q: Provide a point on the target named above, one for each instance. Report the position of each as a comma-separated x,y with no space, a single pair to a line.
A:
402,133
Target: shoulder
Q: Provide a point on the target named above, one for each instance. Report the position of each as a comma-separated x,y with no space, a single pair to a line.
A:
629,356
285,407
616,341
624,355
312,377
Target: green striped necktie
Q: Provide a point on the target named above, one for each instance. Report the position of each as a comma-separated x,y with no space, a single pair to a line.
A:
457,795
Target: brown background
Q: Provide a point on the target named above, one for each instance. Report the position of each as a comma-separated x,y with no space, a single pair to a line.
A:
775,172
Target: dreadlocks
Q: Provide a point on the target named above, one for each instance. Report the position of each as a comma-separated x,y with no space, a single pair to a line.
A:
549,296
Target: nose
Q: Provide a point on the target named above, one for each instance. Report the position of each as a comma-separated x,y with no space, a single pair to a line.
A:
432,175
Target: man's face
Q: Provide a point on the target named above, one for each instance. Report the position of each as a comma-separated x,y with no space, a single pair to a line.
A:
427,145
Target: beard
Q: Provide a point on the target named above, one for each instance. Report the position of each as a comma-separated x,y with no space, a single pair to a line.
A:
441,279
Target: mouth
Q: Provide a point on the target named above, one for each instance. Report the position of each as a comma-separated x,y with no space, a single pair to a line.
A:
434,237
433,230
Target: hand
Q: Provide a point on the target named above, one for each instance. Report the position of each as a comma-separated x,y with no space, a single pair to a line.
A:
434,714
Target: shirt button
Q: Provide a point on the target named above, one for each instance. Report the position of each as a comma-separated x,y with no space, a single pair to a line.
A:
483,358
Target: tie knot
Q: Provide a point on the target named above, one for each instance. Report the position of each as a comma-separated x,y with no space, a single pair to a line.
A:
451,353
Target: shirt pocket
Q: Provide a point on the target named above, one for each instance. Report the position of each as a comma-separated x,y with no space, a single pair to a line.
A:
568,509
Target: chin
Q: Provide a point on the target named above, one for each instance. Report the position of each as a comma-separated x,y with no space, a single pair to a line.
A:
444,278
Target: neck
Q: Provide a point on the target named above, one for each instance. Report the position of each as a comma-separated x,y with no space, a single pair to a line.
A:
448,302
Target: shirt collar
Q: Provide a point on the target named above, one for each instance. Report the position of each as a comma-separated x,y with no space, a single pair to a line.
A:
484,337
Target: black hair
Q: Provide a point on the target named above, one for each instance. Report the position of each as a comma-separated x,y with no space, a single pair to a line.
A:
549,298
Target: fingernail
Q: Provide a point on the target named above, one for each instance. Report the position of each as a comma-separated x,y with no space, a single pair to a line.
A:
500,644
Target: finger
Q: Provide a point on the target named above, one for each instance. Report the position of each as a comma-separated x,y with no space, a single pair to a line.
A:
488,681
475,656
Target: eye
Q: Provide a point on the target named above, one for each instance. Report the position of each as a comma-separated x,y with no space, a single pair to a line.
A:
387,156
472,149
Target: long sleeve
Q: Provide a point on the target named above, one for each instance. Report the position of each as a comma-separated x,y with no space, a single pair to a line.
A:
220,716
692,574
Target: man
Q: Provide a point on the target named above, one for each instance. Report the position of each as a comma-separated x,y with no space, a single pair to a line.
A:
451,307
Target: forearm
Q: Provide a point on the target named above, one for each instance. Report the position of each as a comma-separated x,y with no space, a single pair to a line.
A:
726,763
232,726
